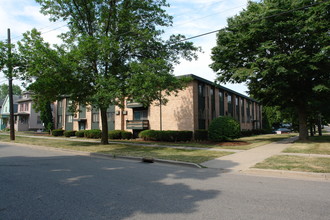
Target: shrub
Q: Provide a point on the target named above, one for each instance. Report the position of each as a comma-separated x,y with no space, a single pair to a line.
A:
115,134
201,135
126,135
57,132
80,133
148,135
69,133
224,128
170,136
94,133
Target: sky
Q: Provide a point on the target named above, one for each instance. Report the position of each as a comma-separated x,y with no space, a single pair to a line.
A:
191,18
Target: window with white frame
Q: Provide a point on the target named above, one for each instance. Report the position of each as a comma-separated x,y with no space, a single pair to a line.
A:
95,118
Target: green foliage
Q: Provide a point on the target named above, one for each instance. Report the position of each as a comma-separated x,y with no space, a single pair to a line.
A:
57,132
109,48
169,136
4,90
201,135
69,133
80,133
115,134
224,128
282,53
94,133
126,135
46,115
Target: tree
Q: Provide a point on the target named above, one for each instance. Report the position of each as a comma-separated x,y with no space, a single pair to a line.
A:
281,49
107,42
4,90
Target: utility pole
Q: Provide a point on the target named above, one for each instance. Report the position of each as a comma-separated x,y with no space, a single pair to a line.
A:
10,78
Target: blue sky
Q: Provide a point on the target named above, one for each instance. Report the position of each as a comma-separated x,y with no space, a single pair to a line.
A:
191,17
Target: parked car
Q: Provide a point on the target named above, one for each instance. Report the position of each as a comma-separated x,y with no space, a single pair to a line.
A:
282,130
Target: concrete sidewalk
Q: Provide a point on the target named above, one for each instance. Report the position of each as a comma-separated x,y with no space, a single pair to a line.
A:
242,161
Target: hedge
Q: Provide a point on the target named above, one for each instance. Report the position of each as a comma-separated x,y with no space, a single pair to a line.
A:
126,135
94,133
119,134
201,135
169,136
80,133
115,134
57,132
69,133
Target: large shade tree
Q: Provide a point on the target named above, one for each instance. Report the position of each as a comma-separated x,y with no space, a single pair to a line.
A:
108,42
281,49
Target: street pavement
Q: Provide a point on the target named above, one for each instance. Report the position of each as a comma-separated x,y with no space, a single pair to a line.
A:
46,184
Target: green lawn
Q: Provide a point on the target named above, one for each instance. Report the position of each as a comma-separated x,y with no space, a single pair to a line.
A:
315,145
193,156
252,142
296,163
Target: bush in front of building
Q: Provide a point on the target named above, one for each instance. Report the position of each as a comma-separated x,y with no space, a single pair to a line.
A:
57,132
94,133
119,134
201,135
80,133
224,128
126,135
69,133
115,134
168,136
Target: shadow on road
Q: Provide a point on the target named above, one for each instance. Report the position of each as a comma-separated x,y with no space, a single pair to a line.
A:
77,187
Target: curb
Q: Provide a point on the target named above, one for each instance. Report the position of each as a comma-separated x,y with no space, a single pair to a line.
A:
142,159
288,174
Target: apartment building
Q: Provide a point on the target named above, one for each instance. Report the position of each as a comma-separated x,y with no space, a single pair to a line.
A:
85,118
191,109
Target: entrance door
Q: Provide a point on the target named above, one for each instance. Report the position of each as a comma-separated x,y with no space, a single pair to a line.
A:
82,125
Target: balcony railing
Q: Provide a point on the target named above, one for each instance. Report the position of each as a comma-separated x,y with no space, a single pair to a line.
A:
132,104
137,124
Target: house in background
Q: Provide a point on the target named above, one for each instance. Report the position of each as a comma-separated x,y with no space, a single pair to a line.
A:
5,111
26,118
192,108
86,118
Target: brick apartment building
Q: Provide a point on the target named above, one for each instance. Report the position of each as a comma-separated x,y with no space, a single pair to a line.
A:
193,108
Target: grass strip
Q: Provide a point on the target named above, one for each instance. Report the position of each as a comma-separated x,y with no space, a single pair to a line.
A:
315,145
296,163
192,156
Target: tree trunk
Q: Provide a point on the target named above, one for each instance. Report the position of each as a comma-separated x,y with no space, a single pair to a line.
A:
122,117
104,120
319,126
311,130
303,130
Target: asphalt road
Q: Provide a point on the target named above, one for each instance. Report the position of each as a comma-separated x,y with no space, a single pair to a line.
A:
42,184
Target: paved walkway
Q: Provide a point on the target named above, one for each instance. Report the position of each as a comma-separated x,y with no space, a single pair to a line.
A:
242,161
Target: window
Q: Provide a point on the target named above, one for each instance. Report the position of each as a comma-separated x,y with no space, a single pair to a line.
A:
69,118
140,114
212,102
23,119
110,116
95,117
242,110
230,105
59,119
221,104
237,108
39,120
60,104
248,112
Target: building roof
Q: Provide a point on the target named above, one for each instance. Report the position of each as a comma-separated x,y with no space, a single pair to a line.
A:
217,86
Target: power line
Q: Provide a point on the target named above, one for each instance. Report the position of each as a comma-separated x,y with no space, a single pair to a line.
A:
270,16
